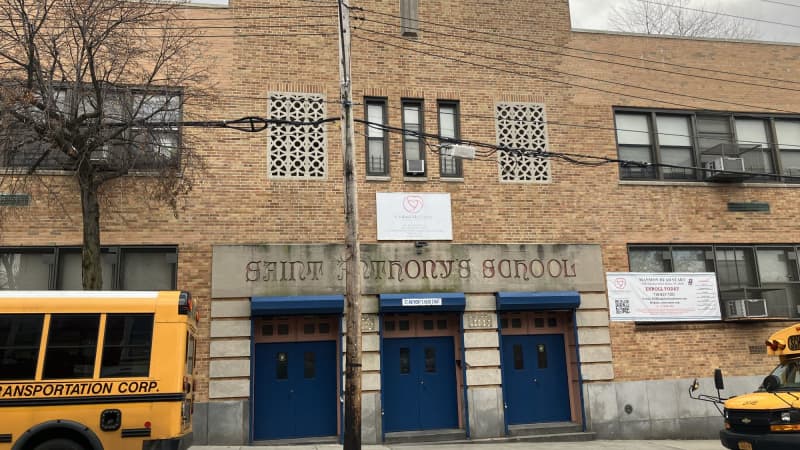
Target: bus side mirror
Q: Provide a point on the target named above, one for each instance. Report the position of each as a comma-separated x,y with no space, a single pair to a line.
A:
718,383
771,382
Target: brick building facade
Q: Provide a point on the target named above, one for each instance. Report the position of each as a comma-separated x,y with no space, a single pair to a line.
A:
272,200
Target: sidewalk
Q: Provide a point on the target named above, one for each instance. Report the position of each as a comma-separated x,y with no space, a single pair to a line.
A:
598,444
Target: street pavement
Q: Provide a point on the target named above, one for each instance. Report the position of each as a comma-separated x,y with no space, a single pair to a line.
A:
470,445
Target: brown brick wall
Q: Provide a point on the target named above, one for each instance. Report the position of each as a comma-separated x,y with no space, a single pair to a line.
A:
234,202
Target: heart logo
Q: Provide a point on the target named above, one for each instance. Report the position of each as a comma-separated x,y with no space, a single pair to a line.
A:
619,283
413,203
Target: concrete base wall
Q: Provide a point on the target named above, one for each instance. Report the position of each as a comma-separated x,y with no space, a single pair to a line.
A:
658,409
230,421
485,412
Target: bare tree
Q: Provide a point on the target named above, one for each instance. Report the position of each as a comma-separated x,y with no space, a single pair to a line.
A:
678,18
96,88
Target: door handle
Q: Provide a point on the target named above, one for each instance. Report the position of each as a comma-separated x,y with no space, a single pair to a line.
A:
535,380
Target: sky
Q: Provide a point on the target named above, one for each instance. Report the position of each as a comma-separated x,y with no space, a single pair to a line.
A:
593,15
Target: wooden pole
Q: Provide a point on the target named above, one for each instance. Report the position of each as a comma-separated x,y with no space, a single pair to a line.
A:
352,397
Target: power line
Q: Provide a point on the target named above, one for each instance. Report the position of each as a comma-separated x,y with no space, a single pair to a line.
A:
567,83
782,3
655,69
721,14
577,49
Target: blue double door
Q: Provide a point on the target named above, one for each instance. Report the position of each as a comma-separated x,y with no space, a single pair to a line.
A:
294,391
535,379
419,384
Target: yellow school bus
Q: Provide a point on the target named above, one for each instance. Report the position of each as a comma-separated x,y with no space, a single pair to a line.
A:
768,419
94,370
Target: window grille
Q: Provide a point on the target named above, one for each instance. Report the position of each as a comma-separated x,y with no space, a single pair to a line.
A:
297,151
521,126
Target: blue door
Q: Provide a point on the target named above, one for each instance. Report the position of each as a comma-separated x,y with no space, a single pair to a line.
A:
294,390
535,378
419,384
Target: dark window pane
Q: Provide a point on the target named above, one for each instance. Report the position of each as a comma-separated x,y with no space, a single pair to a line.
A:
267,330
25,270
148,270
516,323
388,325
283,329
519,361
552,322
309,328
441,324
70,272
404,325
126,350
281,366
19,345
430,359
735,267
71,346
503,323
538,322
649,259
427,324
541,351
309,366
405,360
324,328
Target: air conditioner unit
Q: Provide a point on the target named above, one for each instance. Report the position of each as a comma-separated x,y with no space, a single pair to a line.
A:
100,157
415,166
746,307
717,168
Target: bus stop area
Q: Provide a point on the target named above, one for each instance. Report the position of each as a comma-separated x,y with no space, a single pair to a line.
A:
596,444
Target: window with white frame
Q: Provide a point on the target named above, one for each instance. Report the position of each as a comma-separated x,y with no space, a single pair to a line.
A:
449,166
521,129
413,142
377,137
297,150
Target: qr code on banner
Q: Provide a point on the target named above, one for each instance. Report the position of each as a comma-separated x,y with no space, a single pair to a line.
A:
623,306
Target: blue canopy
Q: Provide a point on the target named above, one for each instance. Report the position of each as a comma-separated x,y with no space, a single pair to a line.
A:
297,304
532,301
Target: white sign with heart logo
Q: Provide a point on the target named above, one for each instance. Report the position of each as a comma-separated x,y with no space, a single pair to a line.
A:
413,216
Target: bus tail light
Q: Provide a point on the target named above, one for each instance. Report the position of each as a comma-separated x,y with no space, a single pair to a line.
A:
185,303
775,344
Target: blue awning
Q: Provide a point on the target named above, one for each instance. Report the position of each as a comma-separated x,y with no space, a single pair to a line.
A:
532,301
298,304
423,302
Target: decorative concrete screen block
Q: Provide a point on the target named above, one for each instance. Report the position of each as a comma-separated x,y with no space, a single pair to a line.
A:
477,321
225,349
483,358
597,371
589,336
481,339
369,323
297,151
592,318
484,377
230,328
227,368
522,126
228,388
230,308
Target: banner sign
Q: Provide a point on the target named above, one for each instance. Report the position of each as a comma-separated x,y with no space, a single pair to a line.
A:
413,216
662,297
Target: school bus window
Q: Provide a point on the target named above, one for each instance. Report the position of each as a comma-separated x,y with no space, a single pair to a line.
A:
190,353
126,348
71,346
19,345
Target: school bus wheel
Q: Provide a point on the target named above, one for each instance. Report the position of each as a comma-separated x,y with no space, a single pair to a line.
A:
59,444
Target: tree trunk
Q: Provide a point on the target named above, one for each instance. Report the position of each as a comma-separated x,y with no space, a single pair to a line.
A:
91,267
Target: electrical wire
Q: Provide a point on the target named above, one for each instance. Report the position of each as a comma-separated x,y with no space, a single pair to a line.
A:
638,59
733,16
537,50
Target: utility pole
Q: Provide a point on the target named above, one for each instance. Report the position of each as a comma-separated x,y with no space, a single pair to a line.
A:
352,392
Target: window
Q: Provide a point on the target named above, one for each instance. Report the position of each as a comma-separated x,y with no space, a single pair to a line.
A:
765,275
19,345
149,144
521,127
409,16
71,346
126,348
666,145
377,138
297,151
125,268
449,166
413,150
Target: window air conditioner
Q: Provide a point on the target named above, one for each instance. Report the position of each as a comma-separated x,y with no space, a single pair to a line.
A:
723,163
415,166
746,307
100,157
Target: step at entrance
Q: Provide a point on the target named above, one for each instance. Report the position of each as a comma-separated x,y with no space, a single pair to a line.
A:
406,437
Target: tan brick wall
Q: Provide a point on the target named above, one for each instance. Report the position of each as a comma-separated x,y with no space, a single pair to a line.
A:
234,202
